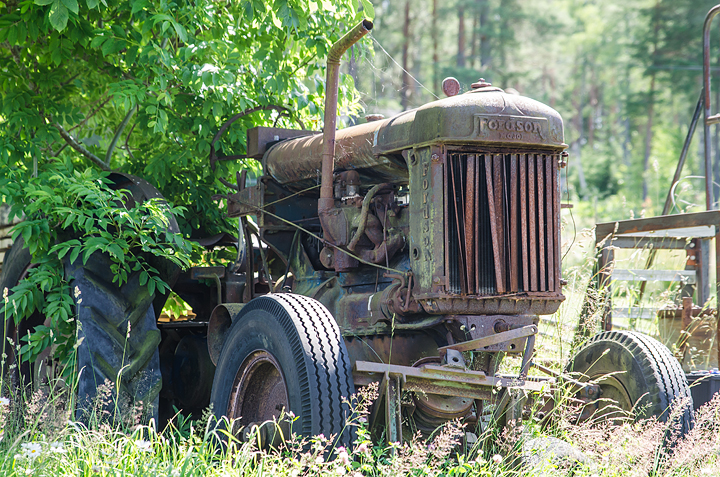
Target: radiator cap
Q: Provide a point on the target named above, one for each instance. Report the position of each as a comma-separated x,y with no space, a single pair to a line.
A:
481,83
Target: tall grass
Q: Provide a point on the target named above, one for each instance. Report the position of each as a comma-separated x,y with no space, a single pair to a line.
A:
39,435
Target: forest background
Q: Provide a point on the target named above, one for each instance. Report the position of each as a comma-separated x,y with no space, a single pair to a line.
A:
144,86
625,76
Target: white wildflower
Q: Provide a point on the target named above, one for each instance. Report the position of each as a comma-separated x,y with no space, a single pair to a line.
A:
31,449
57,447
143,446
4,402
497,458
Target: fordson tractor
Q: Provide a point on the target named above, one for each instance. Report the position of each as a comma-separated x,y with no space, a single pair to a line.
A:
413,252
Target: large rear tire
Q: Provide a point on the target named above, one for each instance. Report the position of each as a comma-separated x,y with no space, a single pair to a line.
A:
118,331
636,373
284,352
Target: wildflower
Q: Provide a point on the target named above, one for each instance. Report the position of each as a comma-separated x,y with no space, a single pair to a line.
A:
77,295
362,449
343,456
31,449
128,330
339,470
4,402
319,459
497,458
5,295
143,446
57,447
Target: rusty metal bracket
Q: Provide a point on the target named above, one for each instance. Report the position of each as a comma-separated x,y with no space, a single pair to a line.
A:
485,341
445,380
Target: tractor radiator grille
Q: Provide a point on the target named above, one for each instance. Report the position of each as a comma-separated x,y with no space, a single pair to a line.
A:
502,217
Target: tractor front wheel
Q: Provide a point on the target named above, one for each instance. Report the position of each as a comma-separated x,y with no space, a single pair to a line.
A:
284,353
636,374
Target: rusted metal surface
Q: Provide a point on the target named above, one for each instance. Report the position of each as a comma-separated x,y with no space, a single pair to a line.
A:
483,226
210,273
258,392
445,380
218,326
260,138
480,343
484,117
326,202
659,223
709,202
450,86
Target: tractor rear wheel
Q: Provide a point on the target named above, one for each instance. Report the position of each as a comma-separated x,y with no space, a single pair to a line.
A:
284,353
118,334
637,374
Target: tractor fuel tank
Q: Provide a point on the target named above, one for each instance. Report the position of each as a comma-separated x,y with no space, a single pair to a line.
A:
485,116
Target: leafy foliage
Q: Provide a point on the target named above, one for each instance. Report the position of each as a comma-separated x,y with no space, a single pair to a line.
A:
70,216
142,87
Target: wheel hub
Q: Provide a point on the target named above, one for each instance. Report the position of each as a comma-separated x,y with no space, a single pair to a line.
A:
258,393
614,399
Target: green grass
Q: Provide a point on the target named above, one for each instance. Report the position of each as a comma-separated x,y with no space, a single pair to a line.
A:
39,437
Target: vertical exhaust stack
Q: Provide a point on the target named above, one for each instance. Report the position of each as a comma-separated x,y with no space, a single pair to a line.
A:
327,201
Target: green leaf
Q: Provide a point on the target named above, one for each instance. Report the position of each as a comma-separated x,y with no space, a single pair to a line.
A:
137,6
58,16
180,31
43,2
97,41
71,5
368,9
92,3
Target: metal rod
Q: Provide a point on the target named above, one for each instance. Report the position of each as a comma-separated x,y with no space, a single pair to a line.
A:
683,154
676,178
706,79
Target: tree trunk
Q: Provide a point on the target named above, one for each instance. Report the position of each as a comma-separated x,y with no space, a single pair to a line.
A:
485,47
406,86
651,102
716,146
593,108
648,136
434,34
461,38
578,123
473,40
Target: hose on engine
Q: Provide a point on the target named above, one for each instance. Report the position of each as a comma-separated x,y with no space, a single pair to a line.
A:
364,214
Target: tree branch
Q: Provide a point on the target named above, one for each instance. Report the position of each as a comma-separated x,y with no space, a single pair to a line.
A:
92,113
80,148
121,128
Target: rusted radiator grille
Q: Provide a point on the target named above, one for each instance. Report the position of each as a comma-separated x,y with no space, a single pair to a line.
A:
502,223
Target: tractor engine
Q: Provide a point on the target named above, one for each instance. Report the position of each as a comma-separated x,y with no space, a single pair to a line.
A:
443,226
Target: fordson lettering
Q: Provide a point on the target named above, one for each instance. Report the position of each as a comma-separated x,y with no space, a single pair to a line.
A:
510,127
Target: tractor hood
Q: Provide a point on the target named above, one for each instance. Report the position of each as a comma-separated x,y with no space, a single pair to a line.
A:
481,118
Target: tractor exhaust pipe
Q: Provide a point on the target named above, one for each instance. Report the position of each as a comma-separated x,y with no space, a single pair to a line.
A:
326,202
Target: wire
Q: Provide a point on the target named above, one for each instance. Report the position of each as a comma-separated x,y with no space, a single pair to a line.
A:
398,65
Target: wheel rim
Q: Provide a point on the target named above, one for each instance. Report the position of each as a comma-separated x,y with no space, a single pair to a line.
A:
258,393
614,396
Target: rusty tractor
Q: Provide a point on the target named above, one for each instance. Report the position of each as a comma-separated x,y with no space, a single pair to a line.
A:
428,252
